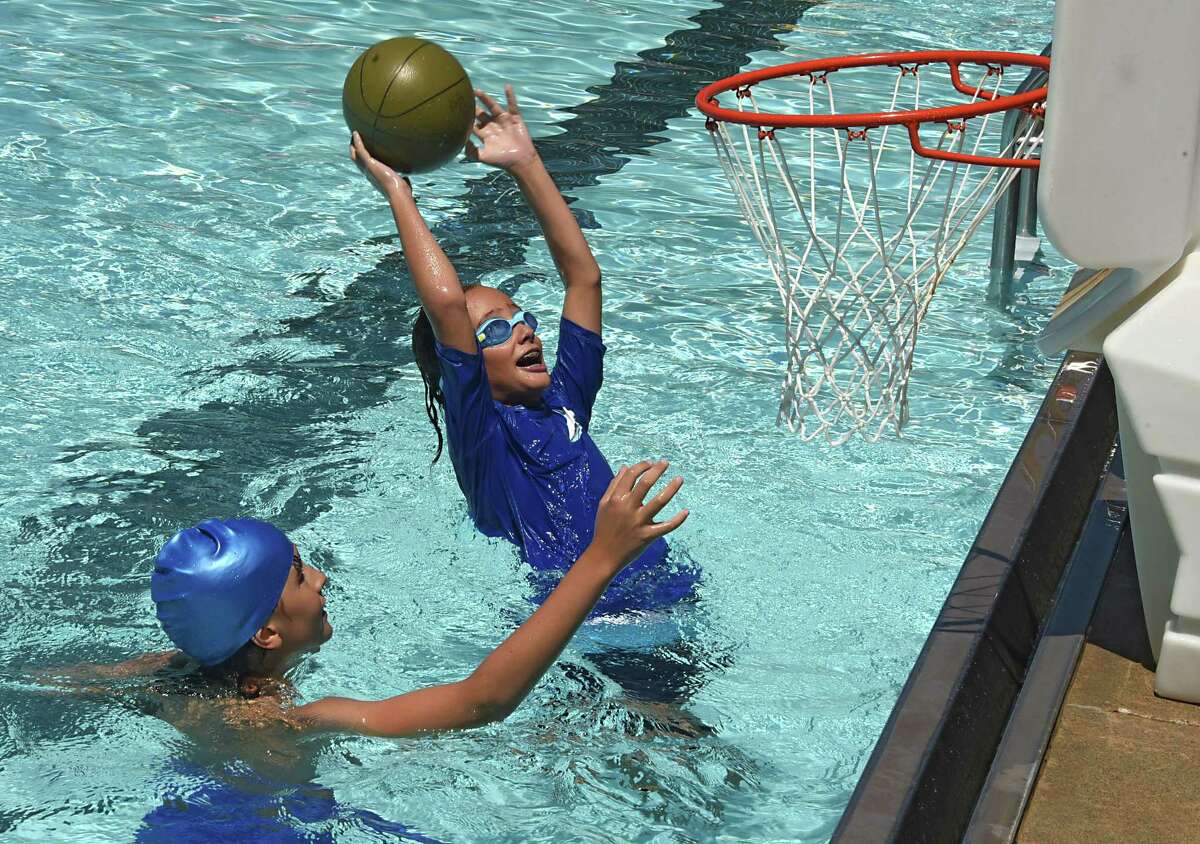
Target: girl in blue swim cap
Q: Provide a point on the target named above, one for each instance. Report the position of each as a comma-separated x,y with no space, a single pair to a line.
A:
518,431
236,597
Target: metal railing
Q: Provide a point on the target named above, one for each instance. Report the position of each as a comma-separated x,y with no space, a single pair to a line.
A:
1016,211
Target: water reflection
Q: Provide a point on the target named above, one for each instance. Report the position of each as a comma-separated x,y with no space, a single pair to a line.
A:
210,454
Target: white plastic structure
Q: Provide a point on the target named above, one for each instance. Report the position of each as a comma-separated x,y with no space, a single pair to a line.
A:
858,231
1118,193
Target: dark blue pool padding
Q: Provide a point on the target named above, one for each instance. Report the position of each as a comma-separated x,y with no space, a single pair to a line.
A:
931,761
256,809
1104,552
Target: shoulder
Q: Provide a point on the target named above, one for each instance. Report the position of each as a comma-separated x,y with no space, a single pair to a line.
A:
460,368
456,357
574,331
197,711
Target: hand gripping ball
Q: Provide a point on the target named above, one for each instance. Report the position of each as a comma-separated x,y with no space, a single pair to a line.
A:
411,102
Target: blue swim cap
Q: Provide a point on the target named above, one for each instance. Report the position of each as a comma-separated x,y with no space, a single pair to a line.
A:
214,585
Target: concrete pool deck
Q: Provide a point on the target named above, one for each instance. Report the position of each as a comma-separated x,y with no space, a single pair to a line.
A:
1122,763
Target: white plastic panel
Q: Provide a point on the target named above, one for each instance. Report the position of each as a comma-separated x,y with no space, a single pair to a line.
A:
1121,138
1178,675
1180,497
1155,361
1155,357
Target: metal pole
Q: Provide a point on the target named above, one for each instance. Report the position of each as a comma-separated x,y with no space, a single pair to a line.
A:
1016,210
1027,210
1004,247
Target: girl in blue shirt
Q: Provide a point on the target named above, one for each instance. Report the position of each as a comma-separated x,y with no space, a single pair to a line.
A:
517,431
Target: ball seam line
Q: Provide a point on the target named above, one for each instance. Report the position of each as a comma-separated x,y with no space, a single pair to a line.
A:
362,94
380,115
392,82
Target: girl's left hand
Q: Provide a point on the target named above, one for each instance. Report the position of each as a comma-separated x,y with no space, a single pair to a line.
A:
505,138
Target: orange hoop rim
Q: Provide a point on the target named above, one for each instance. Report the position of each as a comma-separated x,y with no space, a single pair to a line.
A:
908,63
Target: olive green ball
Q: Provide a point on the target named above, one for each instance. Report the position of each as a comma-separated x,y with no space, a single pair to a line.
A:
411,102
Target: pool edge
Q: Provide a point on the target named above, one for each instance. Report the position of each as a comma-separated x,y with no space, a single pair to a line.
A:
933,756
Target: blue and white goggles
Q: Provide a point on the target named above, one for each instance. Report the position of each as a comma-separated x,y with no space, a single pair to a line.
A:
497,330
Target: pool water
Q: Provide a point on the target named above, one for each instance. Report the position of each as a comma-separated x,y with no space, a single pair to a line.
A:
205,313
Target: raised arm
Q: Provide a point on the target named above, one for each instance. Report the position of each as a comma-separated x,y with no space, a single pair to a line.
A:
433,275
625,526
506,144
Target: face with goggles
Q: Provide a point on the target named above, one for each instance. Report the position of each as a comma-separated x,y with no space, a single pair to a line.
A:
512,351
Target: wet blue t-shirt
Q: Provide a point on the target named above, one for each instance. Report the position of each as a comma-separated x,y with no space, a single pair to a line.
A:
533,475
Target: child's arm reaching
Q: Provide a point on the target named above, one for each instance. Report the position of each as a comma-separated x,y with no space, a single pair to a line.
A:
433,275
506,144
625,526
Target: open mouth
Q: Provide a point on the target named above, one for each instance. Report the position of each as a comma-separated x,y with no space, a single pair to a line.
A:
532,361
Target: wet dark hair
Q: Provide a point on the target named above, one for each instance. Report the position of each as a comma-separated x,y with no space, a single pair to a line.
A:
241,675
431,373
243,671
425,353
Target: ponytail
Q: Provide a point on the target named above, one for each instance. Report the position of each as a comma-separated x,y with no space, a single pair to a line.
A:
425,354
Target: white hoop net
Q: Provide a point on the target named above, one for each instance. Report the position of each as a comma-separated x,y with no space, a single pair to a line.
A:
859,231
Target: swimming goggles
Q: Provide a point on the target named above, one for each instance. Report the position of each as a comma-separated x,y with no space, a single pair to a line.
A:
497,330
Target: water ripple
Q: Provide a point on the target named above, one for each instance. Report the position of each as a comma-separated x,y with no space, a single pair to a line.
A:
206,314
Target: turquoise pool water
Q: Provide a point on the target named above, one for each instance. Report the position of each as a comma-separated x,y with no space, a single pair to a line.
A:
204,314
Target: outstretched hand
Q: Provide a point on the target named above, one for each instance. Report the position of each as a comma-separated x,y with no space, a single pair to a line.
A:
504,135
625,525
386,180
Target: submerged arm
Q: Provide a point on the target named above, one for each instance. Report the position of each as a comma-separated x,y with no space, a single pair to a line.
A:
433,275
103,678
139,666
624,527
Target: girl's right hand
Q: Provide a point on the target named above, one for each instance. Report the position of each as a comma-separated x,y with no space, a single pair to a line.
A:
625,524
386,180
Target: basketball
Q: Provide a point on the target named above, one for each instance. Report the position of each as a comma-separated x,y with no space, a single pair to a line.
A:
411,102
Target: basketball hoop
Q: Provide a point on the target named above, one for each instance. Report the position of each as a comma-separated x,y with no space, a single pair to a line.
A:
860,227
